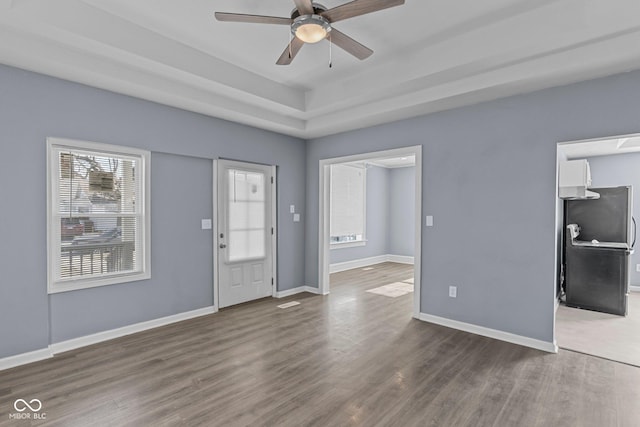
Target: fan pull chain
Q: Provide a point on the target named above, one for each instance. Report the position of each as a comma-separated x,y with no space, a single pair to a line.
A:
330,57
290,41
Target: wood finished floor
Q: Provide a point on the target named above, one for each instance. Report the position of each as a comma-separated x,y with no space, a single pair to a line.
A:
351,358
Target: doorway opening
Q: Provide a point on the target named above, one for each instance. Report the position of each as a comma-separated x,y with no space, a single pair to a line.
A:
245,234
369,222
598,281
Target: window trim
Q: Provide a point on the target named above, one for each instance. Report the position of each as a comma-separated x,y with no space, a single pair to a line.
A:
363,240
53,227
344,245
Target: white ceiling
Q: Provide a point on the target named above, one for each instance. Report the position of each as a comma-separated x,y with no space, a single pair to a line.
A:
430,55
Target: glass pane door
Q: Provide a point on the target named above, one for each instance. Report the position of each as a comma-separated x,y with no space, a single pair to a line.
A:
246,217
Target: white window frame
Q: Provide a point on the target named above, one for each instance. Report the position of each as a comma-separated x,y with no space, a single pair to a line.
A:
143,171
362,241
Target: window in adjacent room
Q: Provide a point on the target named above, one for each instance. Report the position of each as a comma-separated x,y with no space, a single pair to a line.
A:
98,214
348,189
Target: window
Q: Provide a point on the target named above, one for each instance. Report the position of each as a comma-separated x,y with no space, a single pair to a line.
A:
348,186
97,214
246,215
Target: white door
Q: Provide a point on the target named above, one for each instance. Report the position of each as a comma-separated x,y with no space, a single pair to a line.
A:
245,232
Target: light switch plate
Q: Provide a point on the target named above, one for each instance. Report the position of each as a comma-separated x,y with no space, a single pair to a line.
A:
429,221
453,291
292,209
296,217
206,224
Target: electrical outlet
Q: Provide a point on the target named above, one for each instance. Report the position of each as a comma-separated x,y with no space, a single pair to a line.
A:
453,291
638,268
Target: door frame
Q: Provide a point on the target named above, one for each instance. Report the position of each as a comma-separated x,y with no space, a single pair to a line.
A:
214,226
559,217
324,213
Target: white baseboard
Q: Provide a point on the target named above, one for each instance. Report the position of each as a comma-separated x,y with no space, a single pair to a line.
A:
549,347
298,290
363,262
400,259
61,347
634,288
25,358
72,344
314,289
356,263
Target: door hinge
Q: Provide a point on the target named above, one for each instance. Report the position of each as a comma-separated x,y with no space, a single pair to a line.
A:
272,180
272,230
272,281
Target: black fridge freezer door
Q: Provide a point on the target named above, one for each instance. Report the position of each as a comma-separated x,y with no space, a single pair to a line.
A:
597,279
607,219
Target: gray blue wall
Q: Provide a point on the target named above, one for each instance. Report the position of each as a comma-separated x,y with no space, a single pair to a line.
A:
181,258
489,176
33,107
402,214
614,171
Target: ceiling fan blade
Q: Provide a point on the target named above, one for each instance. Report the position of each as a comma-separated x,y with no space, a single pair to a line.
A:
305,7
254,19
290,53
345,42
357,8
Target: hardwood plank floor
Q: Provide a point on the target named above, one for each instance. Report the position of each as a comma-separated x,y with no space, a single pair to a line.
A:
348,359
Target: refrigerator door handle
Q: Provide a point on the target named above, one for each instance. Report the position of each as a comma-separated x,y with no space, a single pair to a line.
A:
635,231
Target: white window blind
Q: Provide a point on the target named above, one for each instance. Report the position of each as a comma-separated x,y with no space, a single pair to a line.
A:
98,215
347,203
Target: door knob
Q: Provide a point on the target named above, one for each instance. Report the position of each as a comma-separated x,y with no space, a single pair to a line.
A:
222,246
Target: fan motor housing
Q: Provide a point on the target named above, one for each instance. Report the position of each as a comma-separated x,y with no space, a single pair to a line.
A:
317,9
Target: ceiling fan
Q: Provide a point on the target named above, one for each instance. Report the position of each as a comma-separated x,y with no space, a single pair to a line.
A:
311,22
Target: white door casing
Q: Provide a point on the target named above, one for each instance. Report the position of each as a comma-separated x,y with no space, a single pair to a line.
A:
245,232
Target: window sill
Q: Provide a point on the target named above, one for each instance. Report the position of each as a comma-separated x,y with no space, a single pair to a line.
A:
74,285
345,245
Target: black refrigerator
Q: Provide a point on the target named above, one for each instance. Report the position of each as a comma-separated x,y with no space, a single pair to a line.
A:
599,237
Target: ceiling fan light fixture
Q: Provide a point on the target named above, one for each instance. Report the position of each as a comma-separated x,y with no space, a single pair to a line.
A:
310,28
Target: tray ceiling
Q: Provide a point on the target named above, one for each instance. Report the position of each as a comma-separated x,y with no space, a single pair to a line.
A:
429,55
